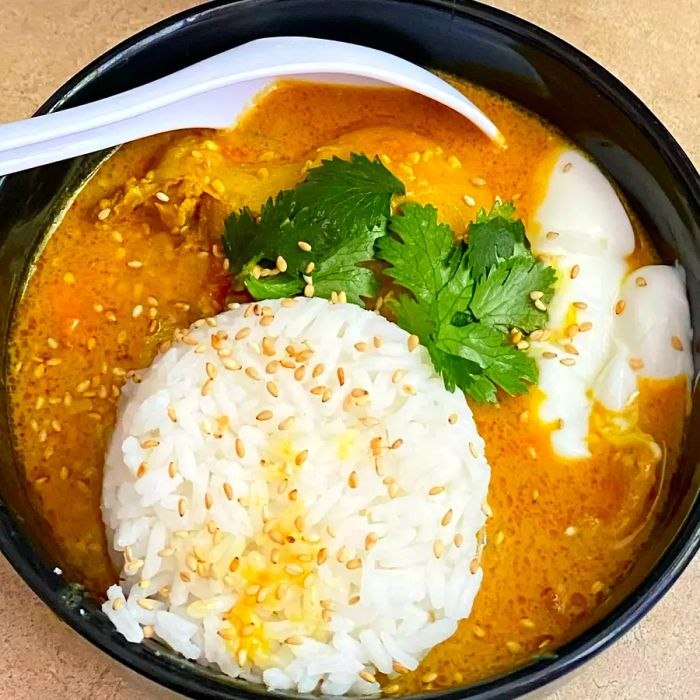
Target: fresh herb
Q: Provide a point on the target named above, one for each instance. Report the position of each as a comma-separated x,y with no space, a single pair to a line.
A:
317,233
465,302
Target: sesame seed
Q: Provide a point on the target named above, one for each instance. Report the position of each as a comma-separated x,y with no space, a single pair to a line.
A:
342,298
354,564
478,181
252,373
182,507
366,676
620,306
636,363
435,490
208,500
676,343
570,349
162,197
447,518
286,423
412,343
210,370
294,640
272,389
309,290
514,647
352,480
438,548
452,418
539,304
104,213
243,333
473,449
310,268
207,387
641,282
429,677
301,457
281,264
361,347
304,246
469,201
135,264
300,373
264,415
585,326
597,587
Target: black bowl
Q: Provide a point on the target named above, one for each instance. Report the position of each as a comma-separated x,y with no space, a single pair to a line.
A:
484,45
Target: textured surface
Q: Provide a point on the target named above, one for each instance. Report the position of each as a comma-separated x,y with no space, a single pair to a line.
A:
653,47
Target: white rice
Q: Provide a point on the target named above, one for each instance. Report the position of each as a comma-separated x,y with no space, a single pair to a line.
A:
395,532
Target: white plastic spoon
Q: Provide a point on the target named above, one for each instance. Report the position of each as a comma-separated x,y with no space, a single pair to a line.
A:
213,93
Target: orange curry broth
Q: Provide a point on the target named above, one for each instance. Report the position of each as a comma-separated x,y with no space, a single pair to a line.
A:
131,262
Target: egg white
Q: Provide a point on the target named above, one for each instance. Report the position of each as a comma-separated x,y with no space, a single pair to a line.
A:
584,230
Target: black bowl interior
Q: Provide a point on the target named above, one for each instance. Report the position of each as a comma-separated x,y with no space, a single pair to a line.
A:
484,45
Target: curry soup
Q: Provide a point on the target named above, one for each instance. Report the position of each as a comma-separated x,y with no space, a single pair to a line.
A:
129,264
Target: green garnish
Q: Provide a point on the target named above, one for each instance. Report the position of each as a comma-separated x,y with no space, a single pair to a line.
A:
465,302
465,299
330,220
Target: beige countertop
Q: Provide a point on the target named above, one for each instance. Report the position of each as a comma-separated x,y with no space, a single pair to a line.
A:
653,46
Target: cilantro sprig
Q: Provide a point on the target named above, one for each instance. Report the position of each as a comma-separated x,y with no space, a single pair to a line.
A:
321,230
463,300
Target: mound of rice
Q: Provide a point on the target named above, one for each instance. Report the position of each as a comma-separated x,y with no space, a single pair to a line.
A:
293,496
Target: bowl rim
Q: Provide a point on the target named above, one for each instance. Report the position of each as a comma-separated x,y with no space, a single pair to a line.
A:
521,680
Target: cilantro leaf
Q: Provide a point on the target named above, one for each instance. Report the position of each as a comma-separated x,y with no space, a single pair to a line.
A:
277,287
495,237
419,252
502,297
351,194
413,317
339,211
340,271
242,240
